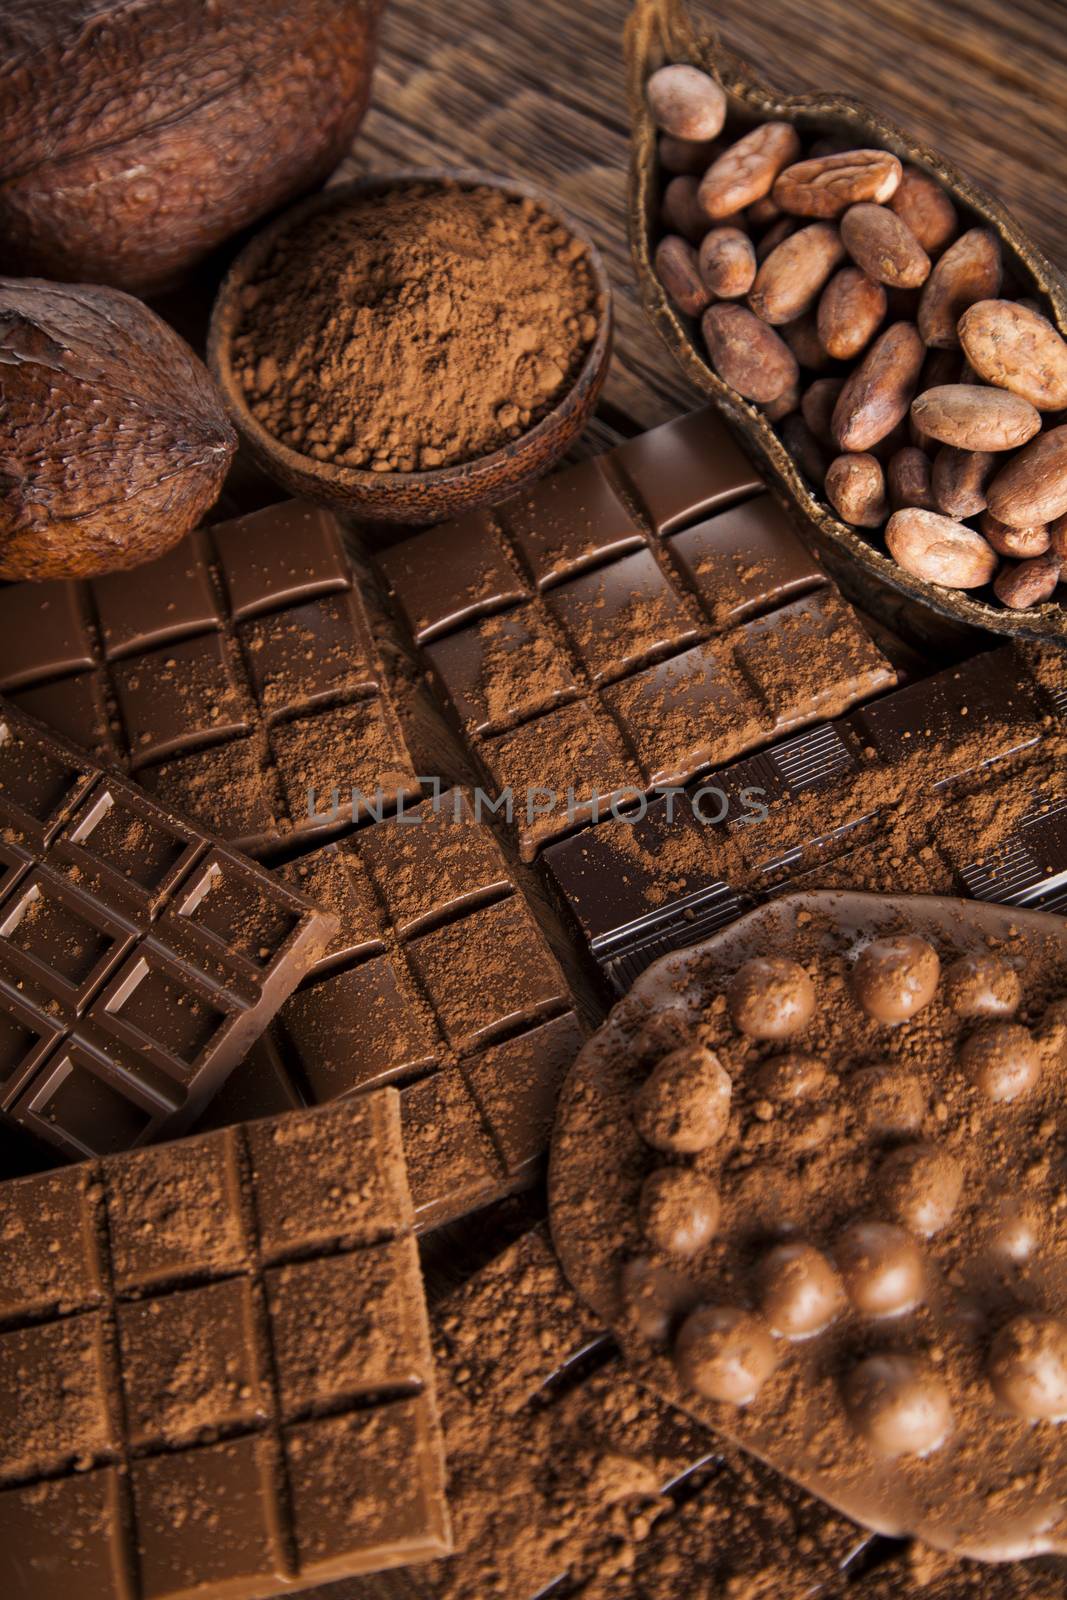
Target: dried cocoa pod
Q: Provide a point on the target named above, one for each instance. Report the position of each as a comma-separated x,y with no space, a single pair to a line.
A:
960,478
855,487
1018,349
747,354
1021,543
818,404
679,273
686,157
792,276
139,137
727,262
877,395
746,171
970,270
774,236
680,212
805,449
926,208
851,310
685,102
909,480
884,246
939,550
825,186
113,436
1033,486
972,417
802,337
1030,583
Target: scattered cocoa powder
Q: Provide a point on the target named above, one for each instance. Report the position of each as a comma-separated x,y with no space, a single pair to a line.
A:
417,328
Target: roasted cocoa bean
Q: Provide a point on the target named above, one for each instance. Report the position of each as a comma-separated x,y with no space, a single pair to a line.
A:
1017,349
685,102
883,245
1033,486
678,271
1020,543
1030,583
926,208
877,395
825,186
727,262
746,171
747,354
855,487
973,417
851,310
969,271
940,550
960,478
791,278
909,480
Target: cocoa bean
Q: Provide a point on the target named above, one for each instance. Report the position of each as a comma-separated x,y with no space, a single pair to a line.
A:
1057,533
851,310
763,213
1022,543
746,171
884,246
679,273
926,208
805,449
802,337
792,276
774,235
747,354
825,186
908,477
1017,349
969,271
939,550
855,487
680,212
787,401
692,157
1033,486
1030,583
960,478
877,395
685,102
727,262
975,418
818,408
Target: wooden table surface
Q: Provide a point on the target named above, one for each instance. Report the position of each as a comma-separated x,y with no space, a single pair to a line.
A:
534,88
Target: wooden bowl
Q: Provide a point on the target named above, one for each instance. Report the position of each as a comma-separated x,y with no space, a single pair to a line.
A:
659,31
411,497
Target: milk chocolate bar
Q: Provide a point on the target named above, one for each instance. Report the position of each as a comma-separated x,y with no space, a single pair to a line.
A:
439,980
235,677
139,958
628,622
956,784
215,1366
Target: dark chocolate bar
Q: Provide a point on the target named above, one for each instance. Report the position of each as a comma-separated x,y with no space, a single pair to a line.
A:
439,980
627,623
235,677
215,1367
954,785
140,959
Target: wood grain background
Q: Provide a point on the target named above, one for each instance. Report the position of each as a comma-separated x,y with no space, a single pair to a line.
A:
535,88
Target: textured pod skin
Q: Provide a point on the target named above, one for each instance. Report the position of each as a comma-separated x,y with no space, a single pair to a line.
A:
113,437
137,135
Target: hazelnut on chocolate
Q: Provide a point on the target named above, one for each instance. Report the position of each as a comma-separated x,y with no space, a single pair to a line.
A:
899,1405
771,997
725,1354
679,1210
684,1105
893,978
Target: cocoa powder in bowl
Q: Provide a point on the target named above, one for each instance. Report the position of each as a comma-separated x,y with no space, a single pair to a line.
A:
413,329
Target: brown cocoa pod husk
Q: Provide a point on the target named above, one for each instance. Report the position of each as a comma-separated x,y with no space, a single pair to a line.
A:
1021,544
685,102
922,203
791,278
727,263
747,354
802,337
855,487
1030,583
940,549
1017,349
975,417
1033,486
878,393
960,478
805,449
884,247
851,310
826,185
970,270
686,157
680,212
746,171
909,480
817,405
678,270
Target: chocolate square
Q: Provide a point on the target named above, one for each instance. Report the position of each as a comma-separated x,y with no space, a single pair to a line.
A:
306,655
517,1084
744,560
63,941
453,1166
335,879
501,670
123,846
445,576
185,694
159,602
45,631
686,469
232,912
78,1102
357,750
53,1396
434,864
48,1241
810,658
40,784
232,791
75,708
363,1027
175,1213
158,1009
687,713
568,521
88,1558
282,554
622,615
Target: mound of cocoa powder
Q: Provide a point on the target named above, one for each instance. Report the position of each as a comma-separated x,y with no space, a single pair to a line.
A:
415,329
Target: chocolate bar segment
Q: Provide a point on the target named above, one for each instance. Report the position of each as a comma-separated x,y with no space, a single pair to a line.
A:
953,785
439,981
627,623
277,1302
139,958
236,677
